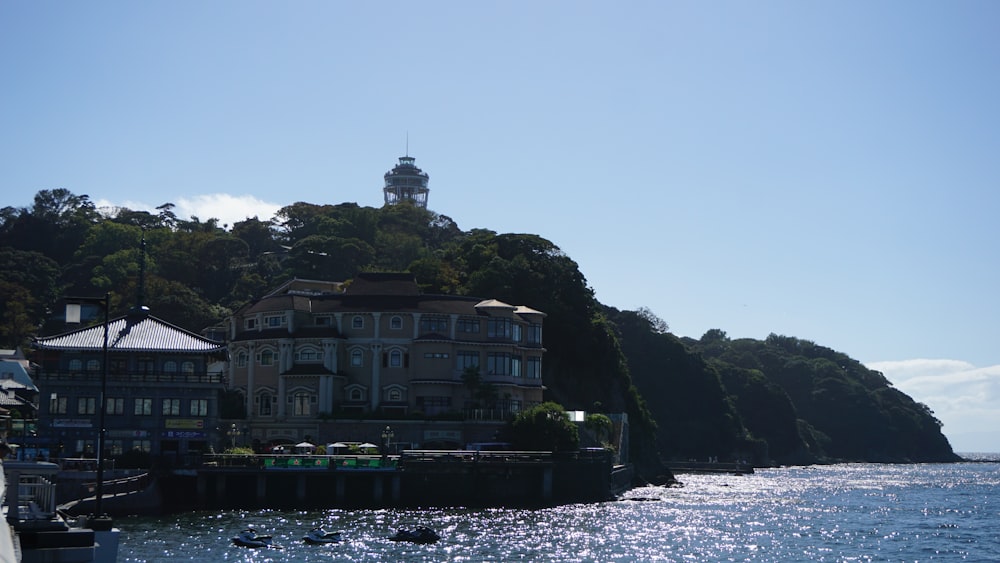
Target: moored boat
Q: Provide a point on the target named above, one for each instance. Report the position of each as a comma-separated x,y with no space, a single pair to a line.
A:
250,538
319,535
420,534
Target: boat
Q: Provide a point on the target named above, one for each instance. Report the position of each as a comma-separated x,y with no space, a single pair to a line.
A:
420,534
319,535
250,538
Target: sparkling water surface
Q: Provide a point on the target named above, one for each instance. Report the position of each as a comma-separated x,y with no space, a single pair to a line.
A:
850,512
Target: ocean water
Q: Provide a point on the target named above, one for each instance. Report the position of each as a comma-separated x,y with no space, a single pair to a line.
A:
849,512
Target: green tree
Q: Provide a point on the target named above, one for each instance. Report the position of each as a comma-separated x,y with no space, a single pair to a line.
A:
544,427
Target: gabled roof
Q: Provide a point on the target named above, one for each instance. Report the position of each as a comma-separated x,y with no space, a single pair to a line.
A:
132,333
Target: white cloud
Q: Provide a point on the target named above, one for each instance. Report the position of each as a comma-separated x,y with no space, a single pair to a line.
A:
963,396
228,209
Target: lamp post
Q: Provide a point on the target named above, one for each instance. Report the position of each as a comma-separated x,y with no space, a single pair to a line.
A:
387,436
233,433
73,316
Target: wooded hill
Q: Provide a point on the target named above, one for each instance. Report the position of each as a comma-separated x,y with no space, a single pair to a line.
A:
782,400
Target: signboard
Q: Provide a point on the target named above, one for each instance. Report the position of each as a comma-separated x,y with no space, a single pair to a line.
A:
176,434
454,435
128,434
72,423
185,423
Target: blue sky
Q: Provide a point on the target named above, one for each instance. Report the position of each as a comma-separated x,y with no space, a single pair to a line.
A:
821,170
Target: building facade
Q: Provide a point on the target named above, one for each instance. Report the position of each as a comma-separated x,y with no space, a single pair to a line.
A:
163,387
378,348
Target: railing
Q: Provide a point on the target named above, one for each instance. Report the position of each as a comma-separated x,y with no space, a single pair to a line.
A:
34,497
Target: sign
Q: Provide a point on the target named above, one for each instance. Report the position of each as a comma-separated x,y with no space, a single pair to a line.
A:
128,434
185,423
72,423
455,435
175,434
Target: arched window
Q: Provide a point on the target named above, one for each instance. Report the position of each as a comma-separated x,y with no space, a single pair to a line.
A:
357,358
358,322
395,359
76,365
241,359
300,403
394,395
396,323
93,365
357,395
187,368
169,366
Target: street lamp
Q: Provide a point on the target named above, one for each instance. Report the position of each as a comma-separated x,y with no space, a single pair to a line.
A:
233,434
387,436
73,316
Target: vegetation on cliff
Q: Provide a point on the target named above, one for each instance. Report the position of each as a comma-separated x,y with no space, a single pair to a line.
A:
782,399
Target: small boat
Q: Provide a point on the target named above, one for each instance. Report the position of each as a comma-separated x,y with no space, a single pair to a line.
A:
319,535
420,534
250,538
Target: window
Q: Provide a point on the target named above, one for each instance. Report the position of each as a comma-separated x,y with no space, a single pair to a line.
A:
171,407
170,366
395,359
114,405
145,366
57,404
357,358
533,369
498,363
307,355
467,359
436,355
142,445
76,366
535,334
274,321
515,332
434,405
498,328
468,326
324,321
264,401
357,322
515,366
187,368
300,403
241,359
266,358
394,395
115,446
434,323
250,324
93,366
396,323
199,407
143,407
86,405
357,395
118,366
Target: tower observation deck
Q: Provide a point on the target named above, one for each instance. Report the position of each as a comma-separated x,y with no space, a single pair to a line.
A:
406,182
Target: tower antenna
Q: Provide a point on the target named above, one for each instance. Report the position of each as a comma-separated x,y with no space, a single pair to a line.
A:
407,143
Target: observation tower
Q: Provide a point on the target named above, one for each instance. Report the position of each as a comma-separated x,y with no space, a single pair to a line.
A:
406,182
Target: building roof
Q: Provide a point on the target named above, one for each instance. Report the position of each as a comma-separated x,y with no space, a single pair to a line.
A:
137,332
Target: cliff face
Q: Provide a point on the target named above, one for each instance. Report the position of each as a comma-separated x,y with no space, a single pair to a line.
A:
780,400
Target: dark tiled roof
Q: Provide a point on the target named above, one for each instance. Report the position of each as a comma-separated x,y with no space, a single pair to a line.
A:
132,333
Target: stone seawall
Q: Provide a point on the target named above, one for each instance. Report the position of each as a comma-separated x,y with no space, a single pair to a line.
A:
415,479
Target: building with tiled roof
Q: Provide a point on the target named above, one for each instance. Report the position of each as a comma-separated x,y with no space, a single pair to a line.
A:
376,347
162,393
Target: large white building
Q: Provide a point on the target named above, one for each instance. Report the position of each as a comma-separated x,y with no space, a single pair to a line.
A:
377,347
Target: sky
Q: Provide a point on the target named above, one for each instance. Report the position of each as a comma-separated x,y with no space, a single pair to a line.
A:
822,170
